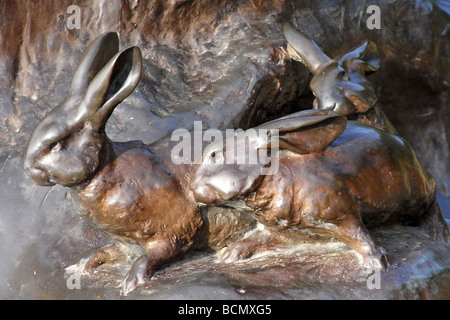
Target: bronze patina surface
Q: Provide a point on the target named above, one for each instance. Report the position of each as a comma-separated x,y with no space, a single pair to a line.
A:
335,177
224,63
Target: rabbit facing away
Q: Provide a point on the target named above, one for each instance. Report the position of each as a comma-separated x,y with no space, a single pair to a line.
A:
334,176
340,84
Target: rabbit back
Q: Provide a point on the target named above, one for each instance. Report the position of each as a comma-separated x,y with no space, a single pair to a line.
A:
366,171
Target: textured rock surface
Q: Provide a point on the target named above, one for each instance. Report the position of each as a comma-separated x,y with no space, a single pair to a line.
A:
329,270
221,62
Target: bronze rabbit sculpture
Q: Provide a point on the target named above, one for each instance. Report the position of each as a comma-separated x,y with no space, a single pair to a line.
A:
334,176
340,84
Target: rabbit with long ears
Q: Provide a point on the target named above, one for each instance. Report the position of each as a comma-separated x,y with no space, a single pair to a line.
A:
336,178
133,191
340,84
121,187
102,80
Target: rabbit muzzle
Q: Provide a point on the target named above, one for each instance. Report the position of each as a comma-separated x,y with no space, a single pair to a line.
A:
68,162
342,90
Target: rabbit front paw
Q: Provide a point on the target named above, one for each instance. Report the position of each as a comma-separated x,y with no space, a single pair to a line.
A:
159,253
140,273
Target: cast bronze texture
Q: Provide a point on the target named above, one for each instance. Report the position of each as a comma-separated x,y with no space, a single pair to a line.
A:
334,176
349,176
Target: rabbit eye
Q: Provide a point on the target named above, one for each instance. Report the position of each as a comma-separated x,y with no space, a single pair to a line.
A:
217,157
55,146
343,76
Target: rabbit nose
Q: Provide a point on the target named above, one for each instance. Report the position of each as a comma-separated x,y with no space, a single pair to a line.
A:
39,176
204,193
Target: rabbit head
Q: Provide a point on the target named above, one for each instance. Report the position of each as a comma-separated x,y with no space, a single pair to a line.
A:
221,176
339,84
65,146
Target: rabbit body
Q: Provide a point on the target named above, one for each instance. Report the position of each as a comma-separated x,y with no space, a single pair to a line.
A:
365,178
364,170
137,195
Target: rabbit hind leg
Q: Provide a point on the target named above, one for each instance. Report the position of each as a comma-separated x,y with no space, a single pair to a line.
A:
352,232
257,241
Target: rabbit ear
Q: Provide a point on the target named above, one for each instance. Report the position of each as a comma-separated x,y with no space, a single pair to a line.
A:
307,131
367,53
100,51
216,178
371,57
115,81
305,49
